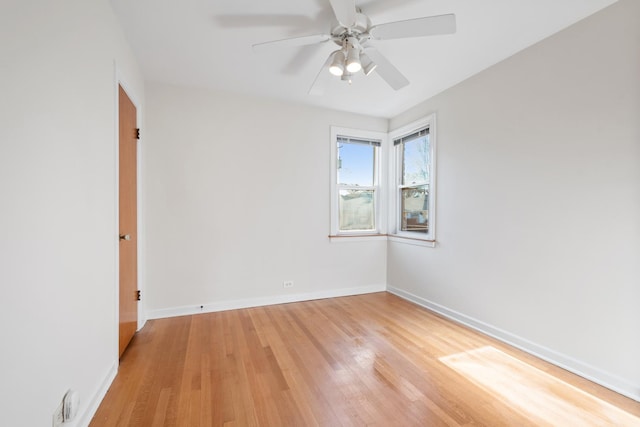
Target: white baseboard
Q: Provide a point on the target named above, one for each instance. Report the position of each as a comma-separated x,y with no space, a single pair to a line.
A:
84,418
598,376
258,302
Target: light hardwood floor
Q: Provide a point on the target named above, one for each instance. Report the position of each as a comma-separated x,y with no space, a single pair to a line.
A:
362,360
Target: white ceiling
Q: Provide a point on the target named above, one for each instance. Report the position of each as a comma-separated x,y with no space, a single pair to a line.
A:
207,43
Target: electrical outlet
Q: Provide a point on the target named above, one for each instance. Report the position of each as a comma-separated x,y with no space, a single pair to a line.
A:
70,403
67,409
287,284
57,416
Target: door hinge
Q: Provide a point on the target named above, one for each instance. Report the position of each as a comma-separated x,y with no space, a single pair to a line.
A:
137,133
138,295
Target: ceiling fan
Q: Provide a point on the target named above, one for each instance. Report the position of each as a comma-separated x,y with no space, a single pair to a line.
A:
355,35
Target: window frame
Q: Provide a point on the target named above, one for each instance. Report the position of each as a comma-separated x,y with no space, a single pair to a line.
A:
396,233
378,187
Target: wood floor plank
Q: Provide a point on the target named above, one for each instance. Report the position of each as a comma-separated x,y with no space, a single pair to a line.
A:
364,360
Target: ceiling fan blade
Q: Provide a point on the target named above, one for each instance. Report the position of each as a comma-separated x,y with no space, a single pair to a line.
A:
252,21
292,42
374,7
419,27
386,70
323,76
345,11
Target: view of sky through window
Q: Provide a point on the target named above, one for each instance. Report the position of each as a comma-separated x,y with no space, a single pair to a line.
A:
416,160
355,164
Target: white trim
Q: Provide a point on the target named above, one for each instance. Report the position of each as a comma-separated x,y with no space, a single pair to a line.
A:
140,223
116,193
263,301
578,367
380,216
412,241
394,175
94,402
356,238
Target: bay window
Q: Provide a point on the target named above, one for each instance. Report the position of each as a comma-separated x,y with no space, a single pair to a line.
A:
384,189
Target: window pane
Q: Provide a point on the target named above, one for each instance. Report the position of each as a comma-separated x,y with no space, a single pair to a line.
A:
415,160
415,208
355,164
356,208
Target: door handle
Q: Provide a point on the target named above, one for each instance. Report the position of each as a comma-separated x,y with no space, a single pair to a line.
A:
125,237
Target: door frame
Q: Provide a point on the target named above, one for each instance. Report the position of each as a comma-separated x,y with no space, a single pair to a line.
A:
121,80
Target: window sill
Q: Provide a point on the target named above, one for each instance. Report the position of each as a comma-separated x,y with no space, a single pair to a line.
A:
412,241
342,238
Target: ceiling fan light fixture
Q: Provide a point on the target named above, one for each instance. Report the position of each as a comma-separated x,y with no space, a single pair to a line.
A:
353,59
367,64
337,64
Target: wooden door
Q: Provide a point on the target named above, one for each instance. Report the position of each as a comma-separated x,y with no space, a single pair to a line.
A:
128,220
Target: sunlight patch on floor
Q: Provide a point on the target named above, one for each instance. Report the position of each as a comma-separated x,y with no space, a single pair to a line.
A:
533,393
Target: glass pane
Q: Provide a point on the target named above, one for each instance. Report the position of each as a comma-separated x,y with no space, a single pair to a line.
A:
415,160
415,208
356,208
355,164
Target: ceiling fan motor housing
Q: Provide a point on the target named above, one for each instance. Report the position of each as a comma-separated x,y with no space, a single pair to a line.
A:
359,30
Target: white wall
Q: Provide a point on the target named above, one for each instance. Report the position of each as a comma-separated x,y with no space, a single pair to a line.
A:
237,201
539,200
58,204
